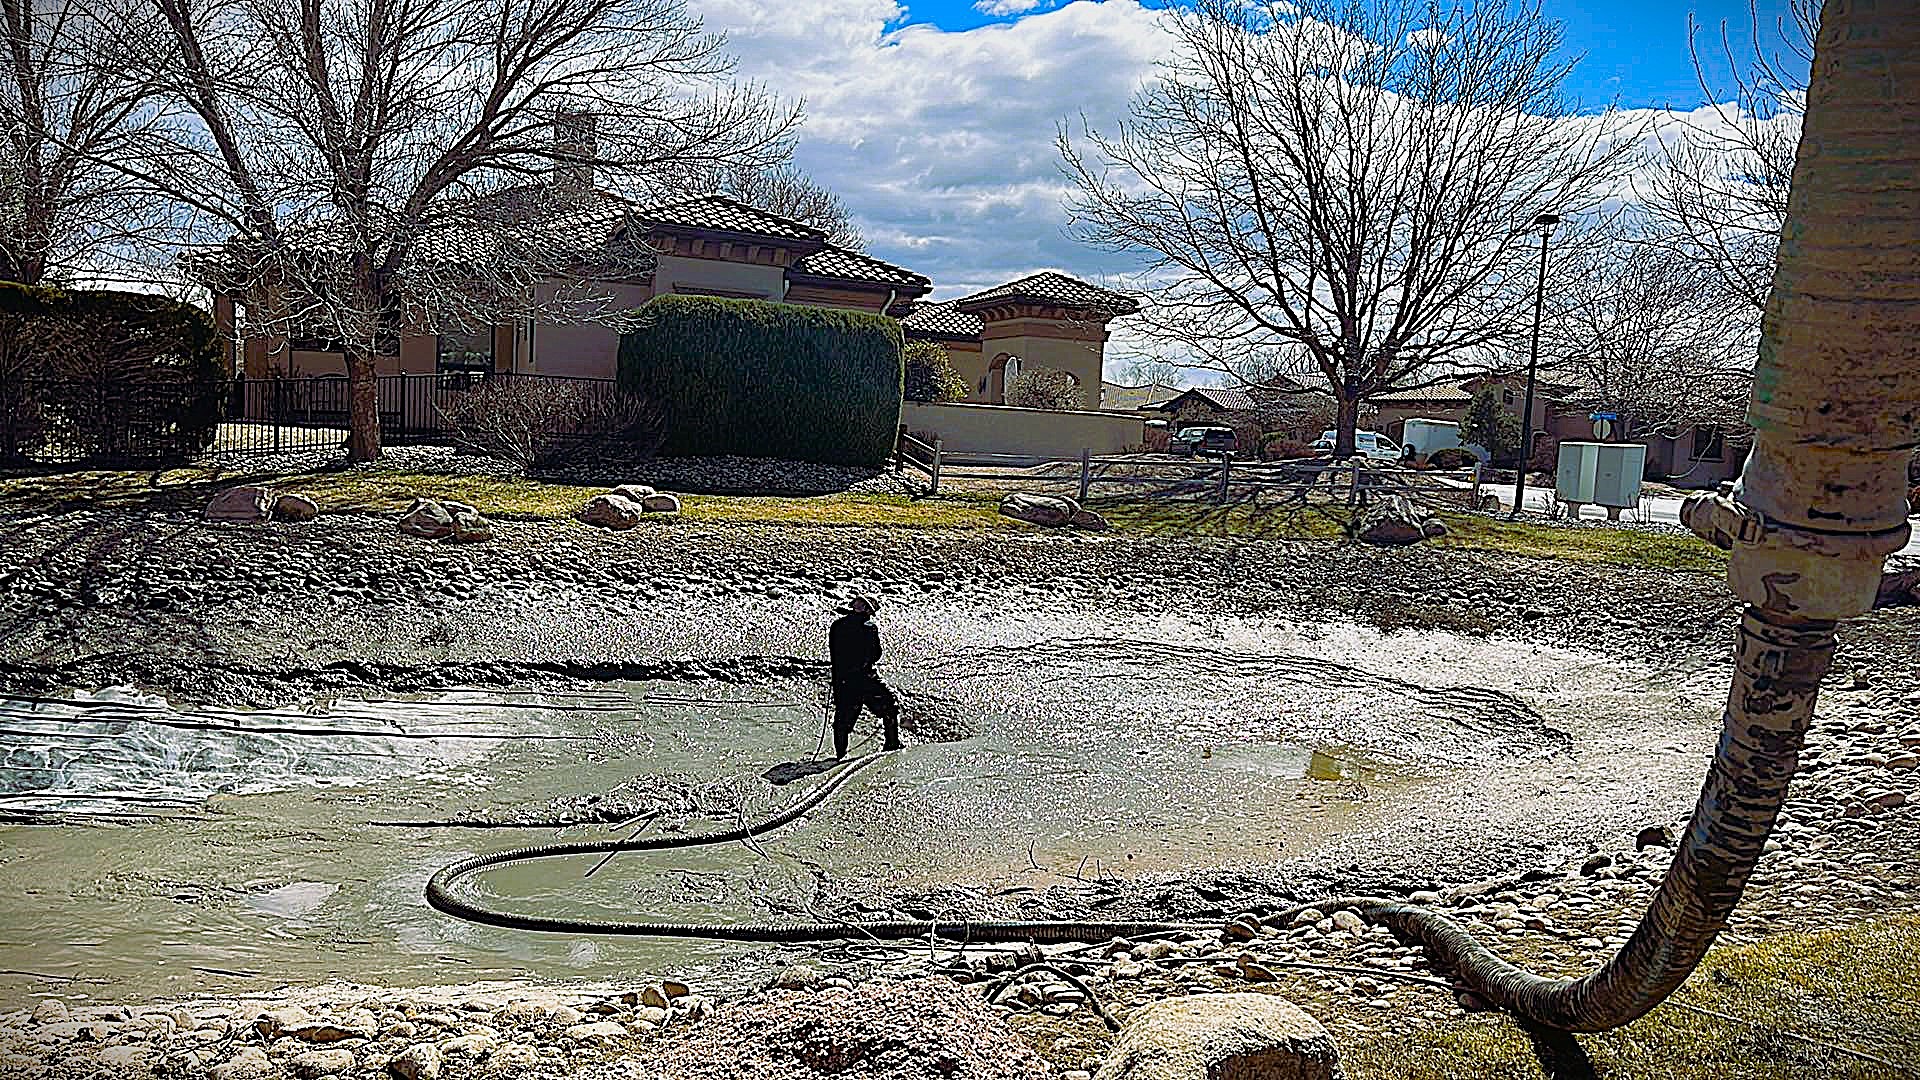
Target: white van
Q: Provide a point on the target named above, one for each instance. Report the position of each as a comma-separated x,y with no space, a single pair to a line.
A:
1367,444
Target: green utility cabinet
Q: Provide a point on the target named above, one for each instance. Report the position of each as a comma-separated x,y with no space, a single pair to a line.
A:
1607,474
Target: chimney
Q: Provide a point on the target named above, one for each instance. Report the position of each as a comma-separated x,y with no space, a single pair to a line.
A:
574,149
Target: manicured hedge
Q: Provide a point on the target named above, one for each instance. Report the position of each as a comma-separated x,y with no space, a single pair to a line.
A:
761,379
101,374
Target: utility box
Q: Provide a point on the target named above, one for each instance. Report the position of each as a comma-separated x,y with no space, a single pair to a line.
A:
1604,473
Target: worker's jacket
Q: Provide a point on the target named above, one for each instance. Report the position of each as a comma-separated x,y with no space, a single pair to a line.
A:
854,645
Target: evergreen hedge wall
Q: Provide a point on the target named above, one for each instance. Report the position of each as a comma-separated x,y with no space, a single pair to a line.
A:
760,379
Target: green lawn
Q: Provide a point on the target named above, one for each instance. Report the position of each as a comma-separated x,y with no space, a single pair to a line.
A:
1806,1006
381,491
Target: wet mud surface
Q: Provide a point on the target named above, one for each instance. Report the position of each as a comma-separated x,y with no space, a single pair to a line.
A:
1138,729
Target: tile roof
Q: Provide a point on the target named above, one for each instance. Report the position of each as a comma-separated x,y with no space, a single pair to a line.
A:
1219,397
941,320
845,265
1442,393
722,213
1049,287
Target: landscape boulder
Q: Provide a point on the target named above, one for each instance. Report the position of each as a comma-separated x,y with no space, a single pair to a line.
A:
1397,520
633,492
661,503
471,528
247,504
292,507
1052,511
611,512
1222,1037
427,519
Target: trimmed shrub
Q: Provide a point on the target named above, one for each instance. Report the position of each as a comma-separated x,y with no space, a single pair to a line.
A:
930,375
1487,423
101,374
760,379
541,423
1045,388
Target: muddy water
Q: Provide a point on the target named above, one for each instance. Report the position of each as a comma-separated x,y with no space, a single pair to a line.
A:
1042,751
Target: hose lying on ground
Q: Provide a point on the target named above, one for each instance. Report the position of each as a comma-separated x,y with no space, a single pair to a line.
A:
440,894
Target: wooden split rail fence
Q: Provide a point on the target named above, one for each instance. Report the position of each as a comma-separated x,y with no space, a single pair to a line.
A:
1207,477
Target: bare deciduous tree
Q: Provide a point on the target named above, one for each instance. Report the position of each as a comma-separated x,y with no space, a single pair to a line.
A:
1640,330
1342,187
63,114
350,166
1715,184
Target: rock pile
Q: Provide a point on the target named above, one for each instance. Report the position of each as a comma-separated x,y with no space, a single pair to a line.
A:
1396,520
250,504
1050,511
444,519
623,507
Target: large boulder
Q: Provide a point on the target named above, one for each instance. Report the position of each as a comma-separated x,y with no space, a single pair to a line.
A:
1084,518
1397,520
611,512
471,528
292,507
1222,1037
661,502
633,492
247,504
428,519
1053,511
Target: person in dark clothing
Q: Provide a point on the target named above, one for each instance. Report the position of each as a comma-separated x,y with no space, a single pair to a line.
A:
853,644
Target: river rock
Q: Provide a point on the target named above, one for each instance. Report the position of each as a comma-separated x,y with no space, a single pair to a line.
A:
249,1064
248,504
661,503
596,1034
418,1062
1089,520
470,528
315,1063
427,519
50,1011
1215,1036
291,507
1653,836
1350,922
1396,520
326,1031
611,512
1052,511
797,977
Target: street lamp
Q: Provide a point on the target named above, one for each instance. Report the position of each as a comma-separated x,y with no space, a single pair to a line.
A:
1545,223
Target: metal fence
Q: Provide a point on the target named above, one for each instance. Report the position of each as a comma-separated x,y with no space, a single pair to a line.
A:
69,422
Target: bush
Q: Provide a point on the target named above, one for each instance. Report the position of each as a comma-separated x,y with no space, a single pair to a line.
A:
1045,388
1282,446
929,374
1452,457
760,379
101,374
1488,423
541,423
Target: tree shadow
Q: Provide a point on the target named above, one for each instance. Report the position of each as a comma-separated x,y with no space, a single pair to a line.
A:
1560,1055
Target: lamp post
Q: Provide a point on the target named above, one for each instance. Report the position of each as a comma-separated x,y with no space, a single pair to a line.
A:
1545,223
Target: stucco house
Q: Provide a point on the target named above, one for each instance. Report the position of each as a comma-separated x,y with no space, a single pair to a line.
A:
709,245
1044,320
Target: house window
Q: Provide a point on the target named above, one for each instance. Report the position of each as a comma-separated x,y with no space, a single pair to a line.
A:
1709,444
464,352
1506,397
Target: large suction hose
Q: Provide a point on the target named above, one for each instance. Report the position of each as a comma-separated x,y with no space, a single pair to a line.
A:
441,894
1821,503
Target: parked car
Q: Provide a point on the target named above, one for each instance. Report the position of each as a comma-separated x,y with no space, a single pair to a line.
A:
1204,439
1367,444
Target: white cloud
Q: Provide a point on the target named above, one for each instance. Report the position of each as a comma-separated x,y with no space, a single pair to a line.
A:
1006,7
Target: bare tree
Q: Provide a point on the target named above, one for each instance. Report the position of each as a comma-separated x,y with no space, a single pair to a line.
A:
63,113
1342,187
1641,330
1715,183
356,169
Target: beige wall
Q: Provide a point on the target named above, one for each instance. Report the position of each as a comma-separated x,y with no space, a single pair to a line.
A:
677,273
1079,358
1003,429
584,350
968,363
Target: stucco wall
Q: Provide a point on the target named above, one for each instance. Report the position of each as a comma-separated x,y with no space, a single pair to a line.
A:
1002,429
679,273
584,350
1081,359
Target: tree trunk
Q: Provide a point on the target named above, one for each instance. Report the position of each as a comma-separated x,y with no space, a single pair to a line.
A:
1345,423
363,410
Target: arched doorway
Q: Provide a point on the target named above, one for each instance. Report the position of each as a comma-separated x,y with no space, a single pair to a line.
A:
1004,369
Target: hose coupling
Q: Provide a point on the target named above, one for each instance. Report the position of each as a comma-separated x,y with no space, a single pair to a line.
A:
1789,569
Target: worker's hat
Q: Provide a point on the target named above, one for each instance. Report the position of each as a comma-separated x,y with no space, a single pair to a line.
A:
859,605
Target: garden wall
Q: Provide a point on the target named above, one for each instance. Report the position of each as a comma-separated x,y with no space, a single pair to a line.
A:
1007,429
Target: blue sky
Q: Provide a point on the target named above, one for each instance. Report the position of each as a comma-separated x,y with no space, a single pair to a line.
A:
1634,51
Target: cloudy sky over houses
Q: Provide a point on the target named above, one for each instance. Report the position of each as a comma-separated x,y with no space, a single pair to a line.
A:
935,121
